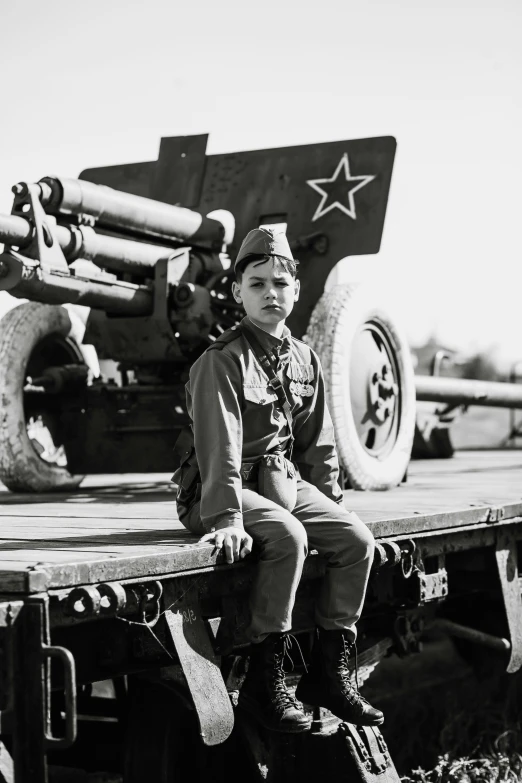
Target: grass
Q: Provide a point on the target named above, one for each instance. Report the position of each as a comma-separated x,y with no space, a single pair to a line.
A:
479,739
491,768
446,720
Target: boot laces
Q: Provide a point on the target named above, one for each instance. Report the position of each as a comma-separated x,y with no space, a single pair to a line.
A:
350,691
282,696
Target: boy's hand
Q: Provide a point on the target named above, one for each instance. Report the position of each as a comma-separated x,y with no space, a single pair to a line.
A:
235,542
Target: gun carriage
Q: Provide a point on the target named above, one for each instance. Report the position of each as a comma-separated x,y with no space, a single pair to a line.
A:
170,616
156,276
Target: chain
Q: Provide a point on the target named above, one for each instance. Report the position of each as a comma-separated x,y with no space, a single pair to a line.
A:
149,625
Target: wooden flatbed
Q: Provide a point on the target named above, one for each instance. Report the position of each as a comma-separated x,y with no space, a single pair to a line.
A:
126,527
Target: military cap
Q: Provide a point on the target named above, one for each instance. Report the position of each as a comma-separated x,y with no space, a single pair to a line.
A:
264,242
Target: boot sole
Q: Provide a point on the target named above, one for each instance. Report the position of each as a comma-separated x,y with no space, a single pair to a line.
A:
252,710
309,695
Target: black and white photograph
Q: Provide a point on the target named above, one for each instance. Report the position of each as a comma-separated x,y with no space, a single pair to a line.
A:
260,391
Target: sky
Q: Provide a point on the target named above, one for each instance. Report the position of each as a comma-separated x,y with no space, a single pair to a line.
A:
99,83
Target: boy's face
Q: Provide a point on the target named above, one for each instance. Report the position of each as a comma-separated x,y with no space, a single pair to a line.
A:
267,292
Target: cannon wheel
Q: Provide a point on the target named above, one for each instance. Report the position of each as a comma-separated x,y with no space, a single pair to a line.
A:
33,336
226,311
369,384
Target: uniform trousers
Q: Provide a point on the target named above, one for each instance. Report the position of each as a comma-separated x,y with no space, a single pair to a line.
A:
283,540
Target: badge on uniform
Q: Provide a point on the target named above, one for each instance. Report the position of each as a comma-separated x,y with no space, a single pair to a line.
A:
300,376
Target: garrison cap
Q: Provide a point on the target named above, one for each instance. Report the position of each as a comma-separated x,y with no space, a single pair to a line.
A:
264,242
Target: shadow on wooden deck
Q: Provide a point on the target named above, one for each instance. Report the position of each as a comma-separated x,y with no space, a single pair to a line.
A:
127,538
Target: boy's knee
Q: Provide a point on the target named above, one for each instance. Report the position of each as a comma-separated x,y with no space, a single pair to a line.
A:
292,540
365,538
359,541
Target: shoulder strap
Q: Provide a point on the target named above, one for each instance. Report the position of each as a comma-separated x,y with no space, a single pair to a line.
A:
268,362
224,339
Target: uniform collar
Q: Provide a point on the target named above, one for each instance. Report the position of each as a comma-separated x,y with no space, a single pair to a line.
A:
268,341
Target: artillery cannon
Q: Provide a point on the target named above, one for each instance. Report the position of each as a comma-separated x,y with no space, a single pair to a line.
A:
157,279
143,603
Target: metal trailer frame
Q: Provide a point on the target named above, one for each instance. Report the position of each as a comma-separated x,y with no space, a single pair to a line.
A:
180,620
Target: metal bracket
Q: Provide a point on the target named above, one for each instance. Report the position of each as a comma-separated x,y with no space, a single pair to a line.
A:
31,673
150,338
507,564
44,247
433,587
69,673
200,666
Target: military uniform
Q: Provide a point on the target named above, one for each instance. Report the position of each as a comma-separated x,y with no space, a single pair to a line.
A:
238,422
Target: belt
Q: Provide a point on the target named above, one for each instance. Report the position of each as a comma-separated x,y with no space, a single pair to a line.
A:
250,470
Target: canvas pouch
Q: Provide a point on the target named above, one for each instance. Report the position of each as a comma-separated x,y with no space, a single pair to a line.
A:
277,480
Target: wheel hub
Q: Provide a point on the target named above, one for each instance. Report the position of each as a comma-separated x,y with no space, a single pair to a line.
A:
383,394
49,371
374,389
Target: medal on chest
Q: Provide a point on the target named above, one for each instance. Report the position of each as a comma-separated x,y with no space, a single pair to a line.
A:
301,389
300,376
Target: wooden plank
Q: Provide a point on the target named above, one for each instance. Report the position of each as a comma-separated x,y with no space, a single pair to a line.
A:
23,523
6,765
67,523
17,578
126,527
446,521
20,538
42,557
201,667
39,577
151,532
100,511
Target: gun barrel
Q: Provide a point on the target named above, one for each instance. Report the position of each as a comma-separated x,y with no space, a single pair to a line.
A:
25,281
15,230
458,391
121,255
129,213
114,253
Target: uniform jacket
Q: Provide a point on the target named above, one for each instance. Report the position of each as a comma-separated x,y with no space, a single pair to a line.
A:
236,418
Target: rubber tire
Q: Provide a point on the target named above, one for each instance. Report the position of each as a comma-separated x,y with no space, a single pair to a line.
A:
334,322
21,329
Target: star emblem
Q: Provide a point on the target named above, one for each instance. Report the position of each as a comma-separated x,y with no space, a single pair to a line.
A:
339,190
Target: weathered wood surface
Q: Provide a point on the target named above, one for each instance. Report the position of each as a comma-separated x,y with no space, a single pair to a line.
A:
122,527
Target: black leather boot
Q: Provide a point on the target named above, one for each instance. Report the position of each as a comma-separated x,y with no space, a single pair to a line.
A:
328,683
264,693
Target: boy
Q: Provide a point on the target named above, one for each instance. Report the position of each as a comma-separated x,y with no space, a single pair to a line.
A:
268,471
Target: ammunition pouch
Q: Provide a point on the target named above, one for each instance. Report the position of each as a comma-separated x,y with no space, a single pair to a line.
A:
189,487
187,475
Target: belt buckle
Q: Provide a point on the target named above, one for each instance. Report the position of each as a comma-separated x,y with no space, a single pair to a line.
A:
249,472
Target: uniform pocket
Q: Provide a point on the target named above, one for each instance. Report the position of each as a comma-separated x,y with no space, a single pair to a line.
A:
261,395
182,471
